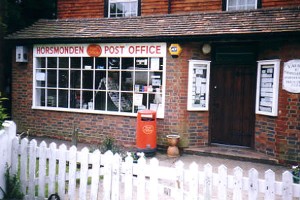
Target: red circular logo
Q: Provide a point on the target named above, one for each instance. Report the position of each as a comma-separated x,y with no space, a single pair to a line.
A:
148,129
94,50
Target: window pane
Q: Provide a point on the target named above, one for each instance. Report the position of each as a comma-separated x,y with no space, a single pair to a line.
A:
63,98
127,63
51,98
76,62
75,99
63,78
126,82
63,62
87,79
113,10
87,100
100,80
40,78
75,79
51,78
126,102
40,97
52,62
41,63
113,63
113,101
88,63
100,100
100,63
113,81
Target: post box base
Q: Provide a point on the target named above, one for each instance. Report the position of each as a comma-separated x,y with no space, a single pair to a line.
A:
148,152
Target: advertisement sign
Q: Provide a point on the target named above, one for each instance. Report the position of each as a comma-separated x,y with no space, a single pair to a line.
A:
101,50
291,76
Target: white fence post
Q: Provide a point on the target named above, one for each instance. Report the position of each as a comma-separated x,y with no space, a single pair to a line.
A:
6,136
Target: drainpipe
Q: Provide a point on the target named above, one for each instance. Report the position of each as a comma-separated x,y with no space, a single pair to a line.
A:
169,6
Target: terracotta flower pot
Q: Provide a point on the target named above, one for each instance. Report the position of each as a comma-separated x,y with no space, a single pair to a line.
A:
173,150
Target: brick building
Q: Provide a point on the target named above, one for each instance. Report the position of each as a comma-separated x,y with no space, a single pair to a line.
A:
236,81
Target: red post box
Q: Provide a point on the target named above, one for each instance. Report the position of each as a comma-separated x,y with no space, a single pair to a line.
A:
146,131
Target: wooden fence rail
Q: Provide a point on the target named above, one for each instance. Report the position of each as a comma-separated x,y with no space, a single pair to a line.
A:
88,175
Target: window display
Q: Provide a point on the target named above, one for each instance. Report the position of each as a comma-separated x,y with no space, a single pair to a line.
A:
198,86
107,84
267,87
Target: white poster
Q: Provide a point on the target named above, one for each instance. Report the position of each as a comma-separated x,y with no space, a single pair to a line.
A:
291,76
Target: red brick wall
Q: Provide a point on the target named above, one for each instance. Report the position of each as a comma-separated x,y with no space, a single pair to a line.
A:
192,125
95,8
280,136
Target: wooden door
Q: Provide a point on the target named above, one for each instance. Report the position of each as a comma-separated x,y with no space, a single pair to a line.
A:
232,104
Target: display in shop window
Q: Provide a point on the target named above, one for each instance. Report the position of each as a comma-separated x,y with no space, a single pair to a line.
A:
267,87
198,85
99,84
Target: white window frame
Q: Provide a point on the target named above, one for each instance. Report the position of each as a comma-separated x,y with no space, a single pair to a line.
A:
201,85
267,101
152,69
122,1
236,7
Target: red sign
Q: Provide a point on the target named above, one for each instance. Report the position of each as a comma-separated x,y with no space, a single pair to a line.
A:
94,50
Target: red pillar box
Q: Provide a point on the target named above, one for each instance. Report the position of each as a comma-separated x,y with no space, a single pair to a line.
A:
146,131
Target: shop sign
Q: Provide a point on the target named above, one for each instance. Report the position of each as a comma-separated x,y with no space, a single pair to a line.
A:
100,50
291,76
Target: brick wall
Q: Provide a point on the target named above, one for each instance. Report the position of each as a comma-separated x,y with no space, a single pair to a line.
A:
280,136
95,8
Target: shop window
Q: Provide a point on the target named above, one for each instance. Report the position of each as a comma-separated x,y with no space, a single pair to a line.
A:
107,85
267,87
198,85
232,5
123,8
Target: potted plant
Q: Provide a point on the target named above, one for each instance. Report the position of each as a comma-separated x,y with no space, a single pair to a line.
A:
296,173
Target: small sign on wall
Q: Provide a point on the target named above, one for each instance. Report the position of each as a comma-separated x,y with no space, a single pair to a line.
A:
291,76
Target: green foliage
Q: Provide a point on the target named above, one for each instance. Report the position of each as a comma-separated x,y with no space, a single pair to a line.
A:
108,143
3,114
13,187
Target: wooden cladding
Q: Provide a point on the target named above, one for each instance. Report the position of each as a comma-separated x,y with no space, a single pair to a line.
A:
97,8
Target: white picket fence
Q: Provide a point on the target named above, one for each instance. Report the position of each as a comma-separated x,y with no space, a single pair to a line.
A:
91,175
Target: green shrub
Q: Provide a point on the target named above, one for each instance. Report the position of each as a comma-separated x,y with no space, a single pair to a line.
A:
13,187
3,114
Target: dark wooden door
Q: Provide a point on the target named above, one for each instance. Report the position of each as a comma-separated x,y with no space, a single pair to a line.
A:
232,104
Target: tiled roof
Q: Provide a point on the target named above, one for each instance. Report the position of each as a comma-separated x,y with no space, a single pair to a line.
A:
166,26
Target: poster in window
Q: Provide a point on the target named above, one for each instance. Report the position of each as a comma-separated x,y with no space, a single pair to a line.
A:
267,87
198,86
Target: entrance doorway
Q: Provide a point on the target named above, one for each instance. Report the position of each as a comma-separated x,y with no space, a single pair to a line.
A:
232,97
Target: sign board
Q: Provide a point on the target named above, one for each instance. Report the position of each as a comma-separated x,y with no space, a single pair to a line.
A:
101,50
291,76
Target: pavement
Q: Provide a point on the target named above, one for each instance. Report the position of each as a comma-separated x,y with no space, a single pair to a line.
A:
188,157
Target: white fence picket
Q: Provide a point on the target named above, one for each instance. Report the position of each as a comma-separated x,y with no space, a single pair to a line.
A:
179,180
222,182
84,158
238,183
15,155
24,164
208,182
32,168
128,168
269,185
72,173
62,158
253,184
52,168
194,181
287,186
115,190
141,178
154,163
107,180
95,161
42,150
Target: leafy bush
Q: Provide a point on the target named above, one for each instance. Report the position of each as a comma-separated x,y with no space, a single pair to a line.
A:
3,114
13,187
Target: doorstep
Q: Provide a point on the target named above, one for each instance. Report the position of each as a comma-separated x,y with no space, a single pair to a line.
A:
231,152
